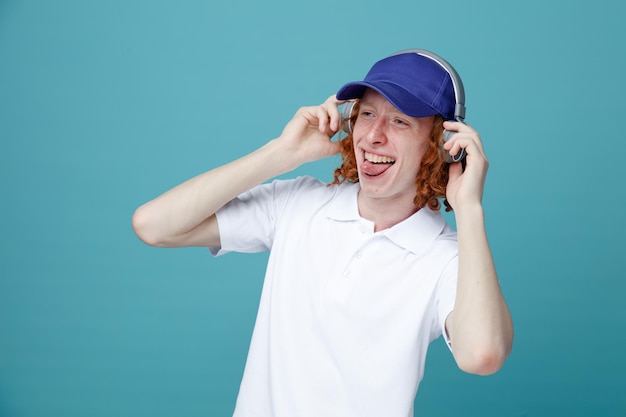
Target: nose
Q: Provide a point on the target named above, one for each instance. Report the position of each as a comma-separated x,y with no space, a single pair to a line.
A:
377,133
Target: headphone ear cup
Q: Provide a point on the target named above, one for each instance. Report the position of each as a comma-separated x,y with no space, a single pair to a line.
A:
447,135
346,115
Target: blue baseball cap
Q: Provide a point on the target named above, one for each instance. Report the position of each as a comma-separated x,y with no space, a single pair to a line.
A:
415,84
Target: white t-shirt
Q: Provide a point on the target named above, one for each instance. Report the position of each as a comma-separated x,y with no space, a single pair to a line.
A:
346,314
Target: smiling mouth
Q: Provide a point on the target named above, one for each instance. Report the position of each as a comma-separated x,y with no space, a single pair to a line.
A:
378,159
374,165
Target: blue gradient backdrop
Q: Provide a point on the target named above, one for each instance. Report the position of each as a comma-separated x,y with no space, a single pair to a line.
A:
106,104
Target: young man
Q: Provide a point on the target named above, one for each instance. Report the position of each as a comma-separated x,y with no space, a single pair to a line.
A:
362,274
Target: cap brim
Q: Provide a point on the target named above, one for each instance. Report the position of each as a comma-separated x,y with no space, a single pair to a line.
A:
404,101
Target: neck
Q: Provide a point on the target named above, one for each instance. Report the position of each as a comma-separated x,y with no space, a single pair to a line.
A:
385,212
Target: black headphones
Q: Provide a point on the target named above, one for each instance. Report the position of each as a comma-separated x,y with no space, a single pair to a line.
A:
459,98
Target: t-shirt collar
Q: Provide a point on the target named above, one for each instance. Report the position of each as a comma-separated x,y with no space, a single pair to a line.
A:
414,233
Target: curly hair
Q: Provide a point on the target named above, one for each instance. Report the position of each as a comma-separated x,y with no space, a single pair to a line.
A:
431,180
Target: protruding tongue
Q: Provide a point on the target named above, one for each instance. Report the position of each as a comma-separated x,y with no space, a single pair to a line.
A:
373,169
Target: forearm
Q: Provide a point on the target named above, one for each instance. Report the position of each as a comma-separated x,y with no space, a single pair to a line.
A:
164,220
480,326
185,215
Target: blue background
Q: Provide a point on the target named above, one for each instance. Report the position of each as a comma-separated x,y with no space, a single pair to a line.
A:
104,105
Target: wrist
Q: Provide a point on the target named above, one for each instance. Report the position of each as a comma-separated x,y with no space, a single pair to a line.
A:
278,157
469,213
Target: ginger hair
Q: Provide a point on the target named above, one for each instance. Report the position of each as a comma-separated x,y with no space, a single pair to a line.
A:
431,180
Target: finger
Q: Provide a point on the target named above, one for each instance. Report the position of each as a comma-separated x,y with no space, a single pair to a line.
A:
461,129
324,120
454,148
458,126
314,116
469,144
334,100
321,113
455,171
463,140
326,116
332,107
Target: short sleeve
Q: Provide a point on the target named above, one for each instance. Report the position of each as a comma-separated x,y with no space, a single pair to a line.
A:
247,224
